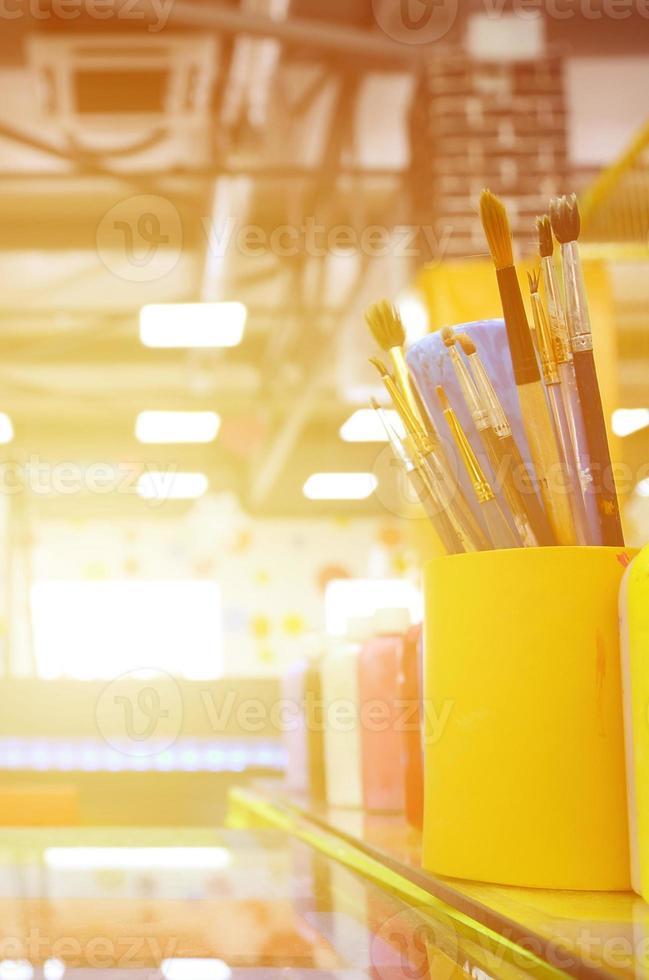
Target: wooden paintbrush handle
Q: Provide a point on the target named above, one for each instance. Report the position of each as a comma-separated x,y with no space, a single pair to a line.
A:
600,457
547,461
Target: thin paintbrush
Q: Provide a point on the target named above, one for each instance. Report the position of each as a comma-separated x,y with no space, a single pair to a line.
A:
434,470
428,501
552,382
538,427
496,450
511,454
569,390
499,530
566,224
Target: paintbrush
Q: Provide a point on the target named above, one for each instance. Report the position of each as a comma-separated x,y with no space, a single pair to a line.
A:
434,469
569,391
425,496
386,325
566,224
500,532
538,427
552,382
495,448
520,476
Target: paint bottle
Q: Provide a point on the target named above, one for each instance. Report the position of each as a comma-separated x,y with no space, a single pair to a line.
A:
381,716
342,737
303,733
410,697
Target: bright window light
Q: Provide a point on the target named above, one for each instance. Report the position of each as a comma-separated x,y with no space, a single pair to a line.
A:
626,421
100,858
364,425
175,427
172,486
192,324
340,486
195,969
349,598
92,630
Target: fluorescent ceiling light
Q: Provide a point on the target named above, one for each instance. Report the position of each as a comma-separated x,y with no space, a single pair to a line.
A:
175,427
340,486
626,421
181,968
53,969
171,486
6,430
16,970
97,858
192,324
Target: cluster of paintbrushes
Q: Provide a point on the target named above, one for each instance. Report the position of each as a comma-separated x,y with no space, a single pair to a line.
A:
560,407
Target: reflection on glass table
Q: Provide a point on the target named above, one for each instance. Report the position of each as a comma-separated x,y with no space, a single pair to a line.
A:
208,905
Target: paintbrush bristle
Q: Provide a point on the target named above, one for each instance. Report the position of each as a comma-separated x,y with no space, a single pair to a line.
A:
443,400
533,279
379,365
384,320
564,215
496,227
466,343
544,232
375,405
448,336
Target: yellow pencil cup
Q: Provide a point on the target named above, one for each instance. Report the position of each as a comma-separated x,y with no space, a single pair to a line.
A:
524,752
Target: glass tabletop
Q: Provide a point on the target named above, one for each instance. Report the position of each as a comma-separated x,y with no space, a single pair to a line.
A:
579,933
89,904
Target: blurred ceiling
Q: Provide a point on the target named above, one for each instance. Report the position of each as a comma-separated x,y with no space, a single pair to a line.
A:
147,164
186,150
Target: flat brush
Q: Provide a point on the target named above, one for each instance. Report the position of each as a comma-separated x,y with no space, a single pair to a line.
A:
434,470
500,532
566,369
491,440
426,498
538,427
552,382
566,224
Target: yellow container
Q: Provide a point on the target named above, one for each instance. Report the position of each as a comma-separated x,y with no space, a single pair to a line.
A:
524,751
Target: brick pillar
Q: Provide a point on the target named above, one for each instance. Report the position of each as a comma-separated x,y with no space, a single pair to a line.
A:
487,124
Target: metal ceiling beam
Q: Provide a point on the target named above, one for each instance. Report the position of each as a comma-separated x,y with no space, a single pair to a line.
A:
314,34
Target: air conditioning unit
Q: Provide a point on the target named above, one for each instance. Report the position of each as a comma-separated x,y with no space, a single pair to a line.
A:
118,84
